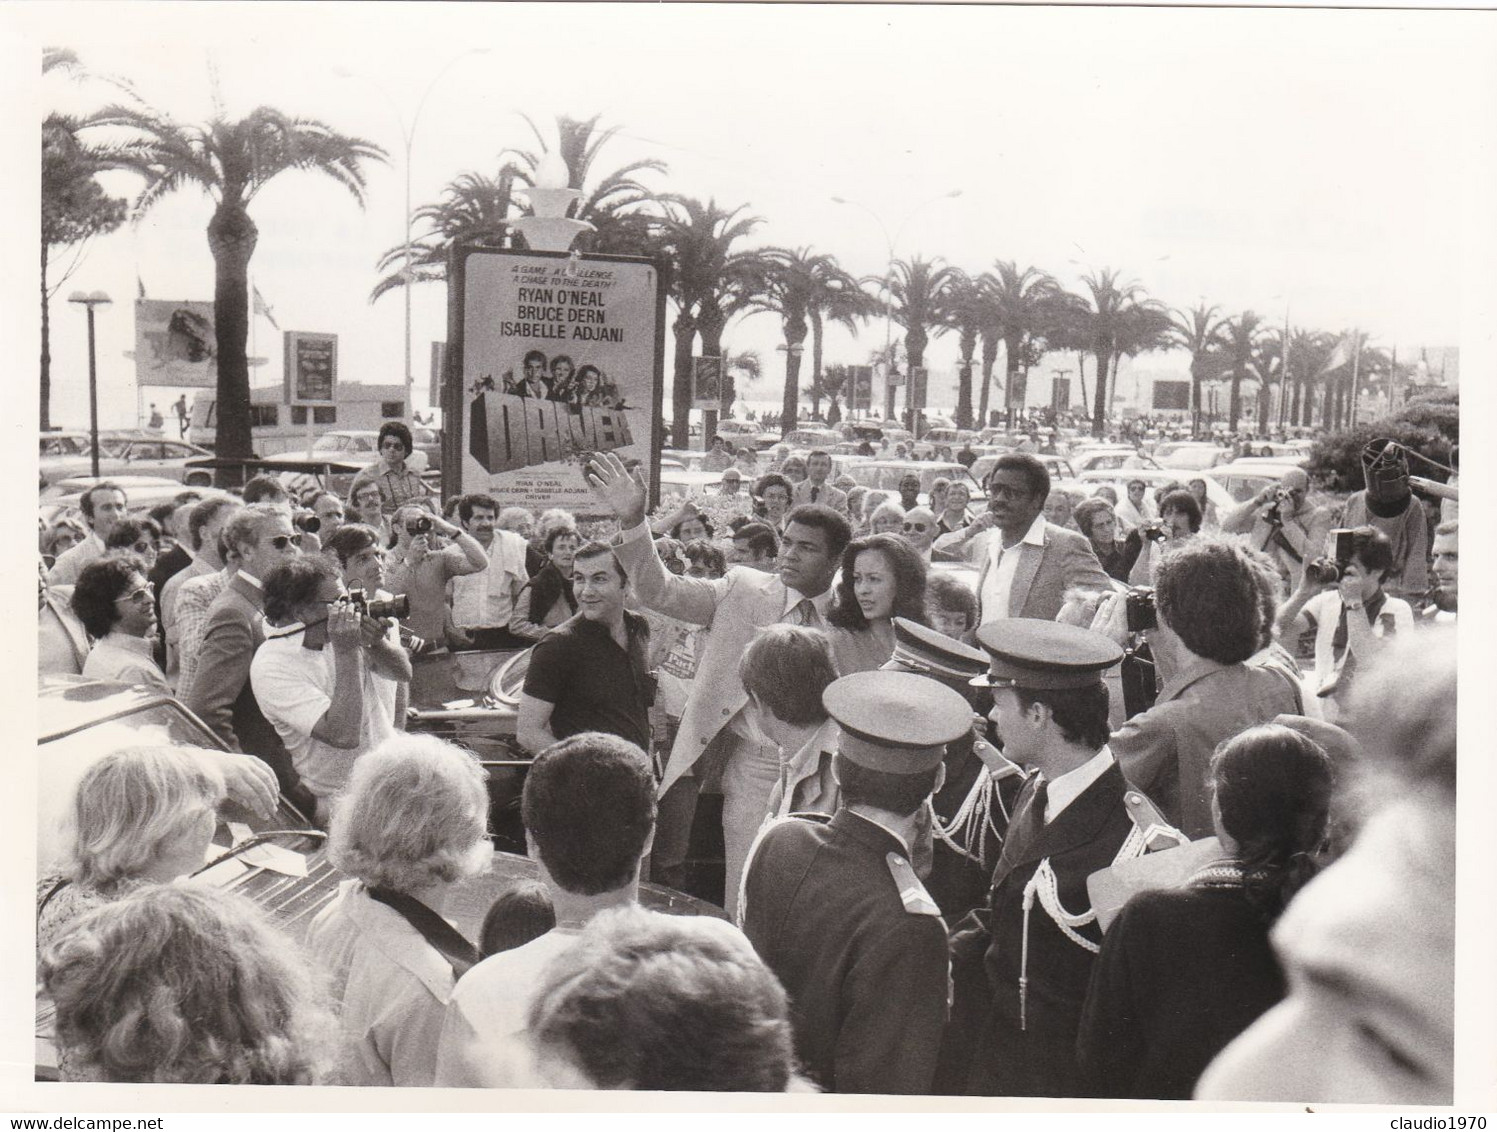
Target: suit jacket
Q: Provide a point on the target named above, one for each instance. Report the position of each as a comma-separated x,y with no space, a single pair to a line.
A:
1045,573
221,695
828,496
735,607
867,979
1039,1059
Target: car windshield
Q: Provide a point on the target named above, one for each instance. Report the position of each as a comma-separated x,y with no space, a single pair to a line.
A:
1195,458
329,442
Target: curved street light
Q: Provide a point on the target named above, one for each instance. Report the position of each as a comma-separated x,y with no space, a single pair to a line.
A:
408,137
889,245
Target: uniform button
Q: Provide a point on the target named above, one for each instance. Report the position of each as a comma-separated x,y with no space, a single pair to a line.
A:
727,711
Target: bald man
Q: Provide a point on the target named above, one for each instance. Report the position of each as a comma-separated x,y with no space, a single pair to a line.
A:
1280,521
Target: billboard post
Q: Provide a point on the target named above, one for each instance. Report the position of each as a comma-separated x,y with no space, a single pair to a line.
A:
551,357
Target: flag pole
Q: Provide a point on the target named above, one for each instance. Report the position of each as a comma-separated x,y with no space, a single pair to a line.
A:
1356,358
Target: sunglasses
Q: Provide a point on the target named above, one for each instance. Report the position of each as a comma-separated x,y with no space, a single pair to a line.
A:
281,542
141,596
143,548
914,527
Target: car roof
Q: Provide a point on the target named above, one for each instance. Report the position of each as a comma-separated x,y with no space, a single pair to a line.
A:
68,703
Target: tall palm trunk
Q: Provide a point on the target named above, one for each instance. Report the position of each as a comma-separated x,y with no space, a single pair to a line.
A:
710,325
989,359
1265,397
1234,406
1197,394
795,340
1081,374
816,329
685,330
232,236
45,383
964,379
1015,393
1099,399
915,340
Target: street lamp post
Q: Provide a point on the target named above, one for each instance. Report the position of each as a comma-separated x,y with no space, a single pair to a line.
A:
92,300
408,137
888,290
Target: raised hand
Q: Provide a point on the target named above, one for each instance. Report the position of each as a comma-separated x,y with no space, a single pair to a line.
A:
624,494
343,628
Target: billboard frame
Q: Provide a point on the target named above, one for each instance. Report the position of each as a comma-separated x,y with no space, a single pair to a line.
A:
452,377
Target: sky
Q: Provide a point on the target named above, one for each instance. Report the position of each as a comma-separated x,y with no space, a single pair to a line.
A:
1314,162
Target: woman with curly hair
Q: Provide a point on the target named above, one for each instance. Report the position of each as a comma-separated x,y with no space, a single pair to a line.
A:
654,1002
185,984
774,492
411,822
882,577
1182,972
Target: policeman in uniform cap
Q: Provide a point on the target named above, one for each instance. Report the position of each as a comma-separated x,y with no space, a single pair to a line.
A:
962,829
833,904
1037,938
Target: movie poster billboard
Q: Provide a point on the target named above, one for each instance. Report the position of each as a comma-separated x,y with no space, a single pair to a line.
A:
311,368
706,383
175,344
551,358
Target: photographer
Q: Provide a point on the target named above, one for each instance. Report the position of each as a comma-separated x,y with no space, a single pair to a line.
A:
1179,519
1280,522
1208,619
1342,599
422,563
327,676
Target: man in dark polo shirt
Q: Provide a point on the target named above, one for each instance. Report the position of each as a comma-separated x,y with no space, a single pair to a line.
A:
590,673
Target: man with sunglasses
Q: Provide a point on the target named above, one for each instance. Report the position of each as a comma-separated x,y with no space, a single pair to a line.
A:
114,601
919,529
262,537
1025,564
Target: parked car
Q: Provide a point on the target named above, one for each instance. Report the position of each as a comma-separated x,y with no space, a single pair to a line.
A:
80,719
1155,477
361,446
166,458
1245,478
808,438
1058,466
1102,459
686,482
1191,455
884,475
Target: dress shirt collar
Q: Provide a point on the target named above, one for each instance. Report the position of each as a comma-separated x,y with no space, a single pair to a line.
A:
794,597
252,580
1035,535
1071,785
138,645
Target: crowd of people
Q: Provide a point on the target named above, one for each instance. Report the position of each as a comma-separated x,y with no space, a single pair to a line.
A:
1066,798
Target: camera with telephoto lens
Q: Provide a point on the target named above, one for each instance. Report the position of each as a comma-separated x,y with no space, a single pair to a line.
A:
397,607
421,525
307,522
1332,568
1142,613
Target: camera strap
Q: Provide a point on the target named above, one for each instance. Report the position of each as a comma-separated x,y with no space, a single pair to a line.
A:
445,939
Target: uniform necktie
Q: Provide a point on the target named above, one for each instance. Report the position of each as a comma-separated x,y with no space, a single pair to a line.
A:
1028,822
815,491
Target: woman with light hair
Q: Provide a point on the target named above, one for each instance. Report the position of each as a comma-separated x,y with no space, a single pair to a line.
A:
654,1002
886,518
139,815
185,984
411,823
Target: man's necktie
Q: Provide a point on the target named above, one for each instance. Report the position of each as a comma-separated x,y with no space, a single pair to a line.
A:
815,491
1028,822
804,613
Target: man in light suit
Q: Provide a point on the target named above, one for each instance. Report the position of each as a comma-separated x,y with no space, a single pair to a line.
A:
815,488
221,695
717,732
1026,565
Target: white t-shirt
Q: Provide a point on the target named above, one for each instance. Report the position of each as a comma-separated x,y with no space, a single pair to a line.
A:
294,688
1324,609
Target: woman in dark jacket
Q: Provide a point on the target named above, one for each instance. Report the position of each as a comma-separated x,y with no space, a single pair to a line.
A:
1183,972
1096,519
547,599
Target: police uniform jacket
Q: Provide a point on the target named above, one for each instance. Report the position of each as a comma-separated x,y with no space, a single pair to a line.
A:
867,977
1036,1055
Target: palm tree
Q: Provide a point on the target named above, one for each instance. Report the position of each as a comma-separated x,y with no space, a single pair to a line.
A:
1199,332
791,283
476,209
1114,319
75,208
1243,335
965,310
231,161
1267,365
1023,306
831,384
917,291
835,298
709,283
